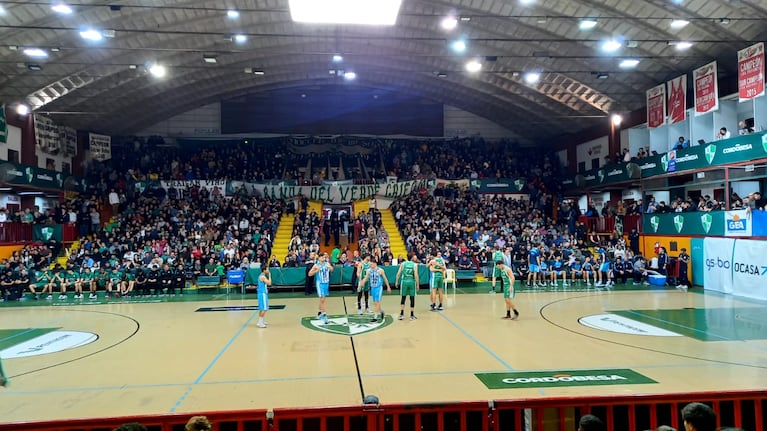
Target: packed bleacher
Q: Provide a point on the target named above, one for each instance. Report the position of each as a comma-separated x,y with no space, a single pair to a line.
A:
118,224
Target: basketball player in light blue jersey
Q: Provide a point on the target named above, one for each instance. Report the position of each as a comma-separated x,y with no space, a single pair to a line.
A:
264,281
377,278
321,272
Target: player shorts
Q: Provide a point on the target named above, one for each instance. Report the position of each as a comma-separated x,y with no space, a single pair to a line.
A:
263,300
496,272
376,293
605,267
365,287
508,292
534,268
436,281
323,290
407,287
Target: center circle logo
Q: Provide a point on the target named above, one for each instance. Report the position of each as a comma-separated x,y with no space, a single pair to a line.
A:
51,342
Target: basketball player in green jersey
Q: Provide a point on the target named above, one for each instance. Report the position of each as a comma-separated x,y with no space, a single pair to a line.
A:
363,288
507,277
497,255
437,269
407,280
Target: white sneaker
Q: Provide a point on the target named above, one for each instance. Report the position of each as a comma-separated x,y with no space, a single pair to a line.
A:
49,297
565,284
359,311
369,310
62,296
261,324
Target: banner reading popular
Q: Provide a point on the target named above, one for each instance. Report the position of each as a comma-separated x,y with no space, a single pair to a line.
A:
656,106
751,72
677,100
100,146
47,135
706,89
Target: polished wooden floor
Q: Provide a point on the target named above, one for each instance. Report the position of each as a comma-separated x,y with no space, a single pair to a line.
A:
165,356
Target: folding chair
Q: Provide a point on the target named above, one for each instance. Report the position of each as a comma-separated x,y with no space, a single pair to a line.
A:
235,277
449,279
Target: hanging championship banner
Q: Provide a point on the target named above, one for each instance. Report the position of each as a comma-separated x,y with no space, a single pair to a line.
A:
677,100
706,89
656,106
68,137
751,72
47,135
101,146
3,126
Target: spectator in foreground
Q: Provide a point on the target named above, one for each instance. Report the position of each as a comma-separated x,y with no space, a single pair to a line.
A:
590,423
198,423
698,417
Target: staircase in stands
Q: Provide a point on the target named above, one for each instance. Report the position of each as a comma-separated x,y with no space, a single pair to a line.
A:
63,259
396,242
282,237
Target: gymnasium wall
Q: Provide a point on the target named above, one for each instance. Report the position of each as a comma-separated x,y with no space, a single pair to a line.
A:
13,142
205,122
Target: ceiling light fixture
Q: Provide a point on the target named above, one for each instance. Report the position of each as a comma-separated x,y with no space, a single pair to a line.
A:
240,38
602,75
449,23
724,21
35,53
441,75
2,10
158,71
616,119
61,8
679,23
458,46
526,2
209,58
532,77
22,109
681,46
611,45
587,24
465,18
91,34
338,58
34,67
628,63
473,66
380,12
350,76
232,14
259,72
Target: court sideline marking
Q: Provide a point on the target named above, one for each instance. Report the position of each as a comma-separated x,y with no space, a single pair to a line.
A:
213,362
354,352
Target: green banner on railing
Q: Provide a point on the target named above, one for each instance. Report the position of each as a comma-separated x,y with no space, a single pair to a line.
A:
728,151
12,173
690,223
47,233
499,185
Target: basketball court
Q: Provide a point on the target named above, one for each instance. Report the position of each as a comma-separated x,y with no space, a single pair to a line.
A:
136,357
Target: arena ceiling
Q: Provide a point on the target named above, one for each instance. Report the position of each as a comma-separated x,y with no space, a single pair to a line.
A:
105,85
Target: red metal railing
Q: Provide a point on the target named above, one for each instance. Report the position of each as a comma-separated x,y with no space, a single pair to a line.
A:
620,413
607,224
15,232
